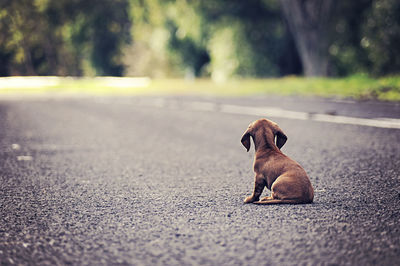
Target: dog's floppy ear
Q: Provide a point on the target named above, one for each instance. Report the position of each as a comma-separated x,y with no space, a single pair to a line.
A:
246,140
281,138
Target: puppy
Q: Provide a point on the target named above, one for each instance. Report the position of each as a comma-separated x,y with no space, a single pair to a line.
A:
286,179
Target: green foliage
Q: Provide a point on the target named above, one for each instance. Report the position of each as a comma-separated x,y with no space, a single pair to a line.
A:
366,37
248,39
56,37
109,31
95,31
221,38
187,52
218,39
20,26
382,37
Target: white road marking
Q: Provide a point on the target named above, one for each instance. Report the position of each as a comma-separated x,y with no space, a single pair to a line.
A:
282,113
383,123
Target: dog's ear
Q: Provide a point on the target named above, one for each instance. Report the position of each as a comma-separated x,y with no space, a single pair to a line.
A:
281,138
246,140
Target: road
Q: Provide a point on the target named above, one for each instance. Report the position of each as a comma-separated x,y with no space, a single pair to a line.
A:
161,181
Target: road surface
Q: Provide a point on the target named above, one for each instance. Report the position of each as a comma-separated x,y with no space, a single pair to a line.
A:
161,181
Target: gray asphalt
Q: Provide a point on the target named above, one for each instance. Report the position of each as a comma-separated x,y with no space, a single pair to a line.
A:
130,181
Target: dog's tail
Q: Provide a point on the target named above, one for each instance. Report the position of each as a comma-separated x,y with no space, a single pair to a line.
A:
280,201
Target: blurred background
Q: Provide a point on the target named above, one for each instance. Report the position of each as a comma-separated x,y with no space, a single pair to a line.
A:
208,39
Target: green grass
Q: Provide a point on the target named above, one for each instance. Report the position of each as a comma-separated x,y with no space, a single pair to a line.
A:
358,87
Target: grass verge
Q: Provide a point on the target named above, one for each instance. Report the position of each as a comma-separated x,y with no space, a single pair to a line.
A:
356,87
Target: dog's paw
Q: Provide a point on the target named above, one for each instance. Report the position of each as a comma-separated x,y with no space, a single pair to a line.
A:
266,198
249,199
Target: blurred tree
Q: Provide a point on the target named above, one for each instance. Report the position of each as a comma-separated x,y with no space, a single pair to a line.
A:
47,37
220,39
365,37
188,37
94,31
346,54
19,23
192,56
247,38
381,37
309,21
148,55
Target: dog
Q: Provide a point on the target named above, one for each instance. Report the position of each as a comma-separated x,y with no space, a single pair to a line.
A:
286,179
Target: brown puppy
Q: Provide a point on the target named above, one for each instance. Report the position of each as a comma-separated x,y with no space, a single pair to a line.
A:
286,179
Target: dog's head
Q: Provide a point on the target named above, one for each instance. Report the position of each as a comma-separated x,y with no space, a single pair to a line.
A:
264,132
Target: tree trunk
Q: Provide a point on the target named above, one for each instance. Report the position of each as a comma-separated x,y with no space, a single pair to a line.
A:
29,69
308,22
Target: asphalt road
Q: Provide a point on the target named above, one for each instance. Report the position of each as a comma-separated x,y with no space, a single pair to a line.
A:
161,181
